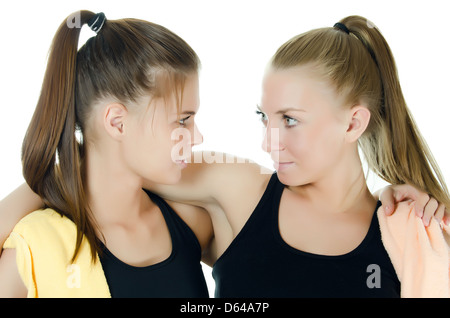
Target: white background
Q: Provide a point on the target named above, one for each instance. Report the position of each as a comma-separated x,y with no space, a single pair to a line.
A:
234,40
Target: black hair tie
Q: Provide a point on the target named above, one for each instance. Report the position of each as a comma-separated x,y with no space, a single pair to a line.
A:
97,21
341,27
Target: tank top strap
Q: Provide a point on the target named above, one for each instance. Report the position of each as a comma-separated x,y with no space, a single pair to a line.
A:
269,202
277,191
181,234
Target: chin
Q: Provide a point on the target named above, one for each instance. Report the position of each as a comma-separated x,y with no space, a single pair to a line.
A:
291,179
172,177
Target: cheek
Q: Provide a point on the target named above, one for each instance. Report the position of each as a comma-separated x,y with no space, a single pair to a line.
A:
159,148
148,154
296,143
316,146
327,139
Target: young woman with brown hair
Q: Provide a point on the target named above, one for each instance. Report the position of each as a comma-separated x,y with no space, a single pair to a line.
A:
101,234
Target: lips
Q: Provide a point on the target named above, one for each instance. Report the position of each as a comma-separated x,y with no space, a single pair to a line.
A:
281,166
182,163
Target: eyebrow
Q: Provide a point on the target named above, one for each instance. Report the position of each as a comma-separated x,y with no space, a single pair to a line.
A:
290,109
188,112
285,110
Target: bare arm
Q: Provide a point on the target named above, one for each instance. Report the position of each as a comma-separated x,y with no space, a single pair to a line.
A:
14,207
229,184
11,284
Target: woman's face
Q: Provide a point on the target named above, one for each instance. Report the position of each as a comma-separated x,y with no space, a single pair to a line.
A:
305,125
159,140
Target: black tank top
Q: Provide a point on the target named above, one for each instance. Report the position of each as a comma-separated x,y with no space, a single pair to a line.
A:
259,263
180,275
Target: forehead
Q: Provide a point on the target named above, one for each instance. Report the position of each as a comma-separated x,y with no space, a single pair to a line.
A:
296,87
188,97
191,98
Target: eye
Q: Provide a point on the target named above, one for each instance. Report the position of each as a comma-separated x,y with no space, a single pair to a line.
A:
263,116
182,121
289,121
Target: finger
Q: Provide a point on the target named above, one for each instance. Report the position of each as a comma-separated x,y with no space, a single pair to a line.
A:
446,217
439,215
406,191
422,200
387,200
429,211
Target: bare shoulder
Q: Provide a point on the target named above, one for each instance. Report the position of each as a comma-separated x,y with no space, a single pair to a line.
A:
229,174
238,188
11,282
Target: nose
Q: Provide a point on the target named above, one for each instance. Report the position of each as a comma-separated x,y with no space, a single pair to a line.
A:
271,140
198,137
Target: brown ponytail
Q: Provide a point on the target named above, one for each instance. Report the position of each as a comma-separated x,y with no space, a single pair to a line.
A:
50,137
125,60
360,65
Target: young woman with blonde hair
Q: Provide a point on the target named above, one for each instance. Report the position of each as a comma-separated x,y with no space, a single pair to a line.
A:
313,229
316,232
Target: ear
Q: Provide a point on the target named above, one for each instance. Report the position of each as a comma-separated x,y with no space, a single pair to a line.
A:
114,120
359,118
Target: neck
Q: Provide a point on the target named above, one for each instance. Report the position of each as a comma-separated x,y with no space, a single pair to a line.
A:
115,194
341,190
